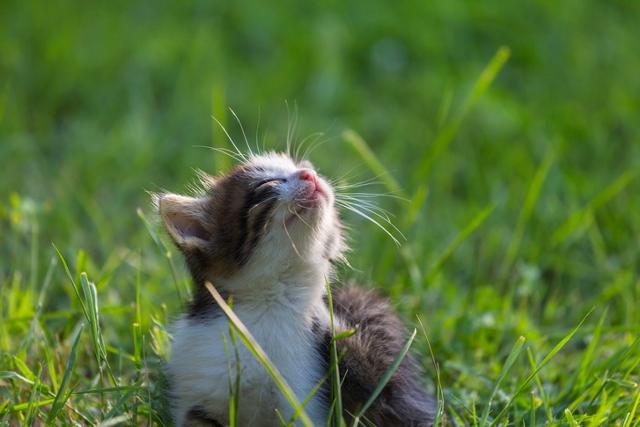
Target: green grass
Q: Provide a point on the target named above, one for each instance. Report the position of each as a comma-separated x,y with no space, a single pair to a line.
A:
507,129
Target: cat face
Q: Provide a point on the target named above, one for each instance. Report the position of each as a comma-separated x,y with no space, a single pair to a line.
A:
266,213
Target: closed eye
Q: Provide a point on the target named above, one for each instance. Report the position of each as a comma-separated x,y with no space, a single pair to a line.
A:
270,181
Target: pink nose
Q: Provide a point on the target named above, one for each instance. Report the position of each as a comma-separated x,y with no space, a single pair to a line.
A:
307,175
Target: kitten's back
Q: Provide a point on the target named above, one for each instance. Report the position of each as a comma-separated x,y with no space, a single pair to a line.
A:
367,355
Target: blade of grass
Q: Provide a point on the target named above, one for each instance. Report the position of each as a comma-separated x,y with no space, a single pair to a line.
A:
532,416
105,390
336,389
252,345
73,283
136,326
580,219
600,416
26,405
541,365
234,387
569,417
631,415
543,394
63,394
450,129
385,379
24,369
529,205
35,322
91,302
166,252
114,421
32,406
309,396
371,160
472,226
587,359
119,405
439,389
508,364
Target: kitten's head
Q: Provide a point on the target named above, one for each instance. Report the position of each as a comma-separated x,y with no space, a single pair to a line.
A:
268,215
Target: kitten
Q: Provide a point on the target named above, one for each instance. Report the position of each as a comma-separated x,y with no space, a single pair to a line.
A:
267,234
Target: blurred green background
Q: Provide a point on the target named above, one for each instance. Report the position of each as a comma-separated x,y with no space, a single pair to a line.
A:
102,101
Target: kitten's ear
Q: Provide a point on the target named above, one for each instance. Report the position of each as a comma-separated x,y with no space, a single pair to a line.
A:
185,219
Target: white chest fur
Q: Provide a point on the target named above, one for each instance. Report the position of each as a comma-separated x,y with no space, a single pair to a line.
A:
200,367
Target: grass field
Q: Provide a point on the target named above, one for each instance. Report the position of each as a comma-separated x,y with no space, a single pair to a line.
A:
511,129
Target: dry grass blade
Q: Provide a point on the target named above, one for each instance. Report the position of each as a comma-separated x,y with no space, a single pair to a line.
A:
252,345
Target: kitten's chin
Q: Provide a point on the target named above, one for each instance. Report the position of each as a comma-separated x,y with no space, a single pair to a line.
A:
305,216
309,212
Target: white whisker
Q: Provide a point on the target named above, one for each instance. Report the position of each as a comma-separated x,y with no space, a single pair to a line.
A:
364,183
374,221
261,203
293,245
374,195
230,139
313,138
380,213
257,138
229,153
318,141
291,126
294,212
246,141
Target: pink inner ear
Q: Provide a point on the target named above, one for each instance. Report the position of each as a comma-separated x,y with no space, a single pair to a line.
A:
188,226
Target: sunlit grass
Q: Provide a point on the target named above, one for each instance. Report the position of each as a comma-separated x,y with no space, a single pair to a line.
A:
513,170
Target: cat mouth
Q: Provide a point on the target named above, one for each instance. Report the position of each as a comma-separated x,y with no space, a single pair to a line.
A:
309,200
312,195
307,206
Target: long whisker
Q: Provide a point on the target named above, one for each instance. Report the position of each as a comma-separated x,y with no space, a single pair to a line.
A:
293,212
338,186
373,195
366,182
313,137
291,126
374,211
293,245
352,173
229,138
268,199
368,199
356,200
317,142
257,138
246,141
367,217
227,152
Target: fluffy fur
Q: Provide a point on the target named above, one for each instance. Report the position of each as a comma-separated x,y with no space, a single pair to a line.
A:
367,355
266,234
